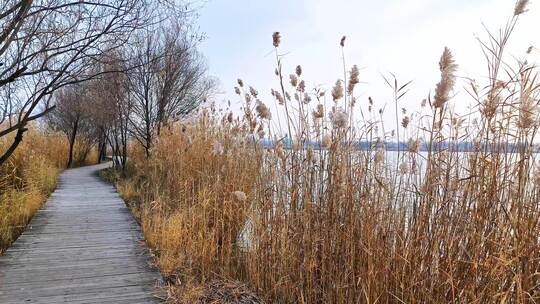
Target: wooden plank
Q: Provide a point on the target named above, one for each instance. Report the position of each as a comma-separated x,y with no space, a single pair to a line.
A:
127,294
83,246
98,263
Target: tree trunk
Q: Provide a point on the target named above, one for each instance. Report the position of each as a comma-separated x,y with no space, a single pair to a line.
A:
116,155
102,147
72,143
124,156
14,145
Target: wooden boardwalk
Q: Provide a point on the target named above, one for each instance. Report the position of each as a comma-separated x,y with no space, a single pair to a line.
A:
82,247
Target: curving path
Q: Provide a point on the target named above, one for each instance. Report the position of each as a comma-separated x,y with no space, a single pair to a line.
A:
83,246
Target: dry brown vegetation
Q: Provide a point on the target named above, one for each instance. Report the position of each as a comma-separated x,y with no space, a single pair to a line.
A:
28,177
342,225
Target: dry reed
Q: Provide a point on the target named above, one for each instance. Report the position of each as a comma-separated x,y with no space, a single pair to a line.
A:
27,178
299,224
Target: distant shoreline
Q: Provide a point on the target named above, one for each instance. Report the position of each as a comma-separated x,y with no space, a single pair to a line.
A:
394,146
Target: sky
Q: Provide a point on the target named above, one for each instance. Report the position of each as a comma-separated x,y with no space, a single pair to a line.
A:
405,38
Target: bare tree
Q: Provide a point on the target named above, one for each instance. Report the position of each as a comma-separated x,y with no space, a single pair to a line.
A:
170,81
48,44
112,110
72,117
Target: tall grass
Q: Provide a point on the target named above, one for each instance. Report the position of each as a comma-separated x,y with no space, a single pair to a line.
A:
27,178
342,225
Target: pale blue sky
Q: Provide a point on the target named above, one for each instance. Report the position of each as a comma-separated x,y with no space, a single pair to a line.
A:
403,37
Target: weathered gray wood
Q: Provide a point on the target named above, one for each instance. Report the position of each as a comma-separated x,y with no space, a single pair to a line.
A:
83,246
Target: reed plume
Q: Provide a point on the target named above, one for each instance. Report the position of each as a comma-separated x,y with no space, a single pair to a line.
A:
447,67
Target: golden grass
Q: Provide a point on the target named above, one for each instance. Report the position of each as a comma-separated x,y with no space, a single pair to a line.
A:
27,178
192,209
196,201
339,225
